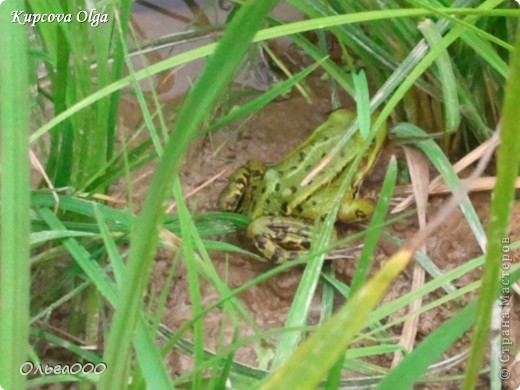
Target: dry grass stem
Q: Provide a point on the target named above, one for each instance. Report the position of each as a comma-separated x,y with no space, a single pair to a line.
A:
197,189
420,175
437,185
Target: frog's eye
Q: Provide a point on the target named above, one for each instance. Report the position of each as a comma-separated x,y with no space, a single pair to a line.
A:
360,214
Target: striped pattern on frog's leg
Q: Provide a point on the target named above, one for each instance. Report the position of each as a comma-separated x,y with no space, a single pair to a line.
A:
280,239
239,185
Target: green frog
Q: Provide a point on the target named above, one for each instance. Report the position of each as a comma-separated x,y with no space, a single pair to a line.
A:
283,203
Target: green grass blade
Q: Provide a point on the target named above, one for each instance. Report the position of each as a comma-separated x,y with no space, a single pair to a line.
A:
124,14
270,33
83,207
429,351
362,102
446,76
217,73
327,304
299,311
41,237
92,269
256,104
331,339
188,249
502,201
435,344
15,198
300,307
442,164
148,354
150,358
426,61
66,344
484,49
377,223
391,307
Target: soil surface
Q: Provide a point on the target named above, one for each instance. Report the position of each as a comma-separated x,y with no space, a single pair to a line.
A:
268,136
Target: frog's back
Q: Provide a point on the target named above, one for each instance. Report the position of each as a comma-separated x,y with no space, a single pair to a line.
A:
297,166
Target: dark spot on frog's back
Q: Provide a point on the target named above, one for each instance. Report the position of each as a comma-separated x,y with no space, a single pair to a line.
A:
302,156
280,234
284,207
277,187
308,168
299,208
293,189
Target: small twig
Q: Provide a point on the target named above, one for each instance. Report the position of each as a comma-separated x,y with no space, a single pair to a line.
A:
106,198
483,183
199,188
170,237
39,167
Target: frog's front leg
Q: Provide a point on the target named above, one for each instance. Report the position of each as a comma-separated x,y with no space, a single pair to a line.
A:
241,184
280,239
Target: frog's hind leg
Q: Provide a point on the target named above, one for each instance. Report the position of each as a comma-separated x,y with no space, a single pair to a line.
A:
280,239
239,183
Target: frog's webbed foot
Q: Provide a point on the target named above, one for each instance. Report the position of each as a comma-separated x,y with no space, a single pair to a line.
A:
280,239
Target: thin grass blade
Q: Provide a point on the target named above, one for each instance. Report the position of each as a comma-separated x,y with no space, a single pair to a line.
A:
15,198
508,156
217,73
376,223
442,164
331,339
429,351
446,76
362,103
